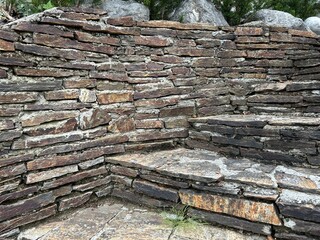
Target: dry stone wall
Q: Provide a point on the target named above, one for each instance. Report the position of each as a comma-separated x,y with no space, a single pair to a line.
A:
77,86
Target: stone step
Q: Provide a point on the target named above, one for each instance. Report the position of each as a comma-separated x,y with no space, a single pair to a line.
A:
273,139
238,193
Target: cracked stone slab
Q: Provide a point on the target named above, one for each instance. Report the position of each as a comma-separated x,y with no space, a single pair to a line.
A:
118,220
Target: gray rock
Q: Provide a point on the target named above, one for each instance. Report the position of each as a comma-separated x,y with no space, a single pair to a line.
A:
268,17
119,8
191,11
314,24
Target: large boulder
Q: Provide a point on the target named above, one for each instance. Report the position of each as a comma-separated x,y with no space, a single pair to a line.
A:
314,24
192,11
119,8
268,17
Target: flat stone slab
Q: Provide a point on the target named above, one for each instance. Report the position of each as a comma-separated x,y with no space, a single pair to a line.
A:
257,120
116,220
210,167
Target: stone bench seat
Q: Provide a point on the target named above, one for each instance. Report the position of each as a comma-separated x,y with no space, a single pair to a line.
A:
289,140
238,193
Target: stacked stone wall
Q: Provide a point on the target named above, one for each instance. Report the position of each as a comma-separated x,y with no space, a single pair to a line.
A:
76,86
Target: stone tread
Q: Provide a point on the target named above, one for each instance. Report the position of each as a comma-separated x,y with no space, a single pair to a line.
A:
210,167
266,119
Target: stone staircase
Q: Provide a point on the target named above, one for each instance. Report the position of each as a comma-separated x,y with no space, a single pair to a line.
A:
273,200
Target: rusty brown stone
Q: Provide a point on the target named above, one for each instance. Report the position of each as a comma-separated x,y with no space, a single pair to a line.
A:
6,46
158,135
74,201
40,141
247,209
3,73
126,21
79,16
152,41
25,206
79,83
177,25
11,171
14,61
45,175
147,124
107,98
121,125
9,35
94,117
191,52
6,125
121,77
62,95
18,194
21,97
28,218
34,72
55,128
74,178
249,31
42,51
112,29
56,41
48,116
87,37
167,59
124,171
41,28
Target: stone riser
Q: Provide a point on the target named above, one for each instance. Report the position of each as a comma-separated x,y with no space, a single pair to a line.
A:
293,141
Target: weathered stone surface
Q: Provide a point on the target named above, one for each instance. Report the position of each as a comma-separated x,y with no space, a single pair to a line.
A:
98,142
87,96
299,205
161,93
152,41
62,95
124,171
157,135
43,28
147,124
302,226
32,87
79,83
253,211
157,178
34,72
6,46
40,141
91,163
9,35
59,42
11,171
18,194
53,128
92,184
14,61
12,97
75,201
45,175
9,184
274,99
25,206
231,222
122,125
9,135
154,190
94,117
9,160
29,218
74,178
46,116
108,98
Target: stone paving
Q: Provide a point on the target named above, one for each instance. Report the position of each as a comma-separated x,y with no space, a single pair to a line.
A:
117,220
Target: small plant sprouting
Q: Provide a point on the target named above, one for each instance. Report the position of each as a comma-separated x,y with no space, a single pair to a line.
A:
178,218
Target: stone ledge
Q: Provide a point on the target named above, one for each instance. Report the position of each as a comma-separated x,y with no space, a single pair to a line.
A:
247,193
288,140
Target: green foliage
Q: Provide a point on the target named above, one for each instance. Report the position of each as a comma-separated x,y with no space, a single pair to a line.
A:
298,8
235,11
160,9
177,218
